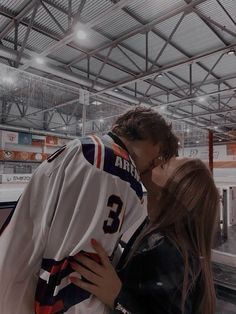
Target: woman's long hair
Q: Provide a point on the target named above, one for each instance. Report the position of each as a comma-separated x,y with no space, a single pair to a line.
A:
186,213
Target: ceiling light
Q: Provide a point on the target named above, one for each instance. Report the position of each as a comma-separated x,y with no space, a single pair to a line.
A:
163,107
96,103
80,124
220,140
39,60
215,127
64,128
52,129
231,52
201,99
81,34
197,142
187,130
160,75
116,90
101,120
8,80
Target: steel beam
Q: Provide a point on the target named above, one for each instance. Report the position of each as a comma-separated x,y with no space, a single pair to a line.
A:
142,28
102,66
68,38
210,70
110,62
210,20
128,57
27,34
218,1
76,17
167,41
171,43
18,17
69,14
149,74
53,17
187,99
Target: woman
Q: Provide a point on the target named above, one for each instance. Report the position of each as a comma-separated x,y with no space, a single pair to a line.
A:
166,266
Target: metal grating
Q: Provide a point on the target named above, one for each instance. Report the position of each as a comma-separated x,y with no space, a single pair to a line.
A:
213,9
151,9
15,5
43,18
92,9
36,41
117,24
65,54
3,22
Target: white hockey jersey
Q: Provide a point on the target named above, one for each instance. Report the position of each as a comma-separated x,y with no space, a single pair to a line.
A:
87,189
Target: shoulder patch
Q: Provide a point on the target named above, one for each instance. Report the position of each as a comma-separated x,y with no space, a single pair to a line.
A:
56,154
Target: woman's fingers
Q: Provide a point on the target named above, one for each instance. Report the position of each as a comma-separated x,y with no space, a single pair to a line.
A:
87,274
83,285
101,252
104,283
89,263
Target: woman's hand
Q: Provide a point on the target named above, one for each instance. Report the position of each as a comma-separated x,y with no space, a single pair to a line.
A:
104,282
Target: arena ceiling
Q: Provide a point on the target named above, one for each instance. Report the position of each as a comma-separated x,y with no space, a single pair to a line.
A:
177,56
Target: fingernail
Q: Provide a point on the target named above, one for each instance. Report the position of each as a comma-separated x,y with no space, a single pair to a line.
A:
72,279
93,242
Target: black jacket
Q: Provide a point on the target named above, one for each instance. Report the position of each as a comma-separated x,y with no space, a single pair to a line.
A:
152,280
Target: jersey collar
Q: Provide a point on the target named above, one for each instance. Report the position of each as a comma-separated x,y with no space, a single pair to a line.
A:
117,140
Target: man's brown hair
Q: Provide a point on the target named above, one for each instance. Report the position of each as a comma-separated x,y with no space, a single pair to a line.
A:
142,123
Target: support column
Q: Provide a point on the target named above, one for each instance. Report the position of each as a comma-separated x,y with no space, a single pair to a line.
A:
210,150
84,100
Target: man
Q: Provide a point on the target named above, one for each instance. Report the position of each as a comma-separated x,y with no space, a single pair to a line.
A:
87,189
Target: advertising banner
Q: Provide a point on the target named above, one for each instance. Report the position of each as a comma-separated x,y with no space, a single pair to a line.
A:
38,140
231,149
22,156
10,137
51,140
16,178
25,138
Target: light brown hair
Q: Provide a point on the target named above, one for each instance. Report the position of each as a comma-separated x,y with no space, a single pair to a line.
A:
143,123
186,214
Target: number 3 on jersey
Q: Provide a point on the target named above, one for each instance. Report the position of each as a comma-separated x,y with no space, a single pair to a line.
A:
112,225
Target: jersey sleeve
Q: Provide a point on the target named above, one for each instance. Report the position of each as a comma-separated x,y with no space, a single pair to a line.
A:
24,238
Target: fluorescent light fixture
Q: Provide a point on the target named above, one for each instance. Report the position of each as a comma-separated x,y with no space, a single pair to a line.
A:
8,80
52,129
80,34
231,52
201,99
96,103
39,60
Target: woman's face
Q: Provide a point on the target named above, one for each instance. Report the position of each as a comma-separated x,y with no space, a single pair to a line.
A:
156,179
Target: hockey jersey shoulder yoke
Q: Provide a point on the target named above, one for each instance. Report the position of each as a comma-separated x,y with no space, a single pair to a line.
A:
111,158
